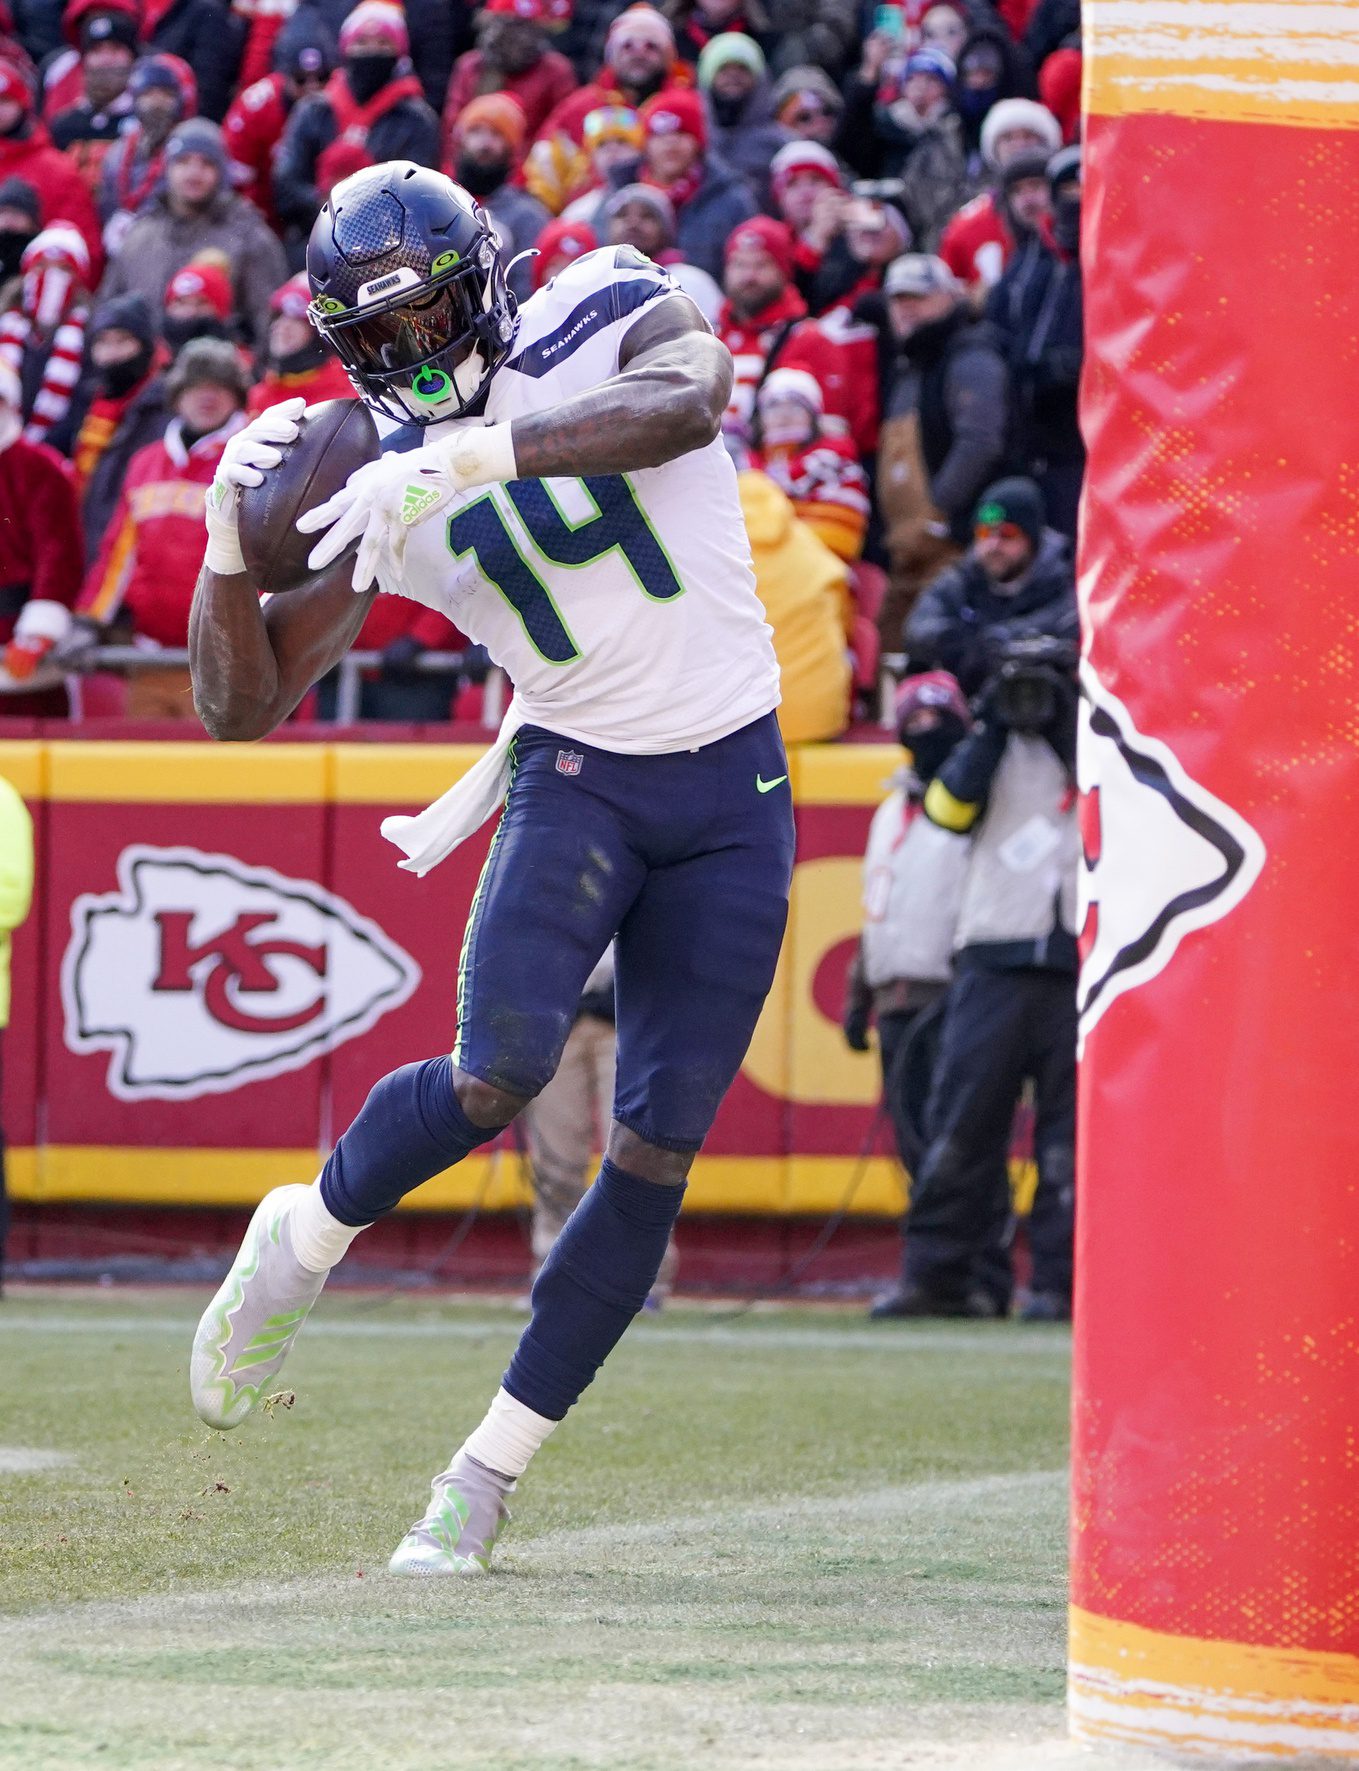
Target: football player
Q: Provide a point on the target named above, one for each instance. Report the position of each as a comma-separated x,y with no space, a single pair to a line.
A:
552,479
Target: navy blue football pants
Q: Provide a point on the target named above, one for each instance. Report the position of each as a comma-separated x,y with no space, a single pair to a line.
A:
686,858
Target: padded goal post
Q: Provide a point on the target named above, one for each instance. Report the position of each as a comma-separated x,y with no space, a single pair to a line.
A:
1215,1527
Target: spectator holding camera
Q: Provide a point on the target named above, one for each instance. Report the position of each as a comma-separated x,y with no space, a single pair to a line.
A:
1011,1010
1016,582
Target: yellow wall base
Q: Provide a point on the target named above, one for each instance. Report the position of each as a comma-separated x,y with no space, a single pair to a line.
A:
1219,1698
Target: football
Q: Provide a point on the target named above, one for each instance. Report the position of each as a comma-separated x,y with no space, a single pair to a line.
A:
334,439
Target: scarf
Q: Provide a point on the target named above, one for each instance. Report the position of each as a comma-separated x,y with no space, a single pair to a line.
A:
684,189
61,366
353,120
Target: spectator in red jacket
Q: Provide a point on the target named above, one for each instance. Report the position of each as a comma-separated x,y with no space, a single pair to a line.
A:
708,197
764,321
100,111
980,241
296,363
26,152
148,564
639,63
63,81
513,55
40,560
560,242
304,59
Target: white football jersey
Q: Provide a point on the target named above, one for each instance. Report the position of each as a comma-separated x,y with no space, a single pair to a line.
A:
622,606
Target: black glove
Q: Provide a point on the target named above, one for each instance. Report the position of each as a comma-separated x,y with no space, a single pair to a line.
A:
398,658
855,1024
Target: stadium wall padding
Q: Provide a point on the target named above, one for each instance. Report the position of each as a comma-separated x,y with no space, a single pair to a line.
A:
153,1058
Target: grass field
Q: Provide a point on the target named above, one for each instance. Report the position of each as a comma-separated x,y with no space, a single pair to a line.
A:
791,1540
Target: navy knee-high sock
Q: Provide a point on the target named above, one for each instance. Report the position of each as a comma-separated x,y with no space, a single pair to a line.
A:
592,1285
410,1128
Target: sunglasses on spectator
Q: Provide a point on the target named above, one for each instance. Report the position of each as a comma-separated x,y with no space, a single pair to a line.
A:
998,532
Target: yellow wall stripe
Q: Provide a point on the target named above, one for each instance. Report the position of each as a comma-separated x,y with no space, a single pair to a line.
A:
193,774
23,763
399,774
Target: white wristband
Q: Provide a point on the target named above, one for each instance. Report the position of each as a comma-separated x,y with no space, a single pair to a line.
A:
223,554
478,455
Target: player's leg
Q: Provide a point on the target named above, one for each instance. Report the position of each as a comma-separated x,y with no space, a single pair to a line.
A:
555,884
696,957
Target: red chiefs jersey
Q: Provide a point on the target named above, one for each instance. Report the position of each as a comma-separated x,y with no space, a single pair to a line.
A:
250,132
806,346
327,381
977,244
827,487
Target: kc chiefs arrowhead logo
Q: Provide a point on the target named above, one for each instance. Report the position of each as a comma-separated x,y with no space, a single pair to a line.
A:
201,974
1163,856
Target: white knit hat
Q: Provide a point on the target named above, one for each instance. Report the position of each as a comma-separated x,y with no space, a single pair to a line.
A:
1018,113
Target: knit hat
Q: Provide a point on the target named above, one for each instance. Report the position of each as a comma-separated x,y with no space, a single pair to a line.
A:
202,280
376,18
14,88
919,273
647,194
292,298
554,15
724,49
1031,163
763,234
934,690
124,313
304,46
500,111
792,384
675,113
165,73
196,135
561,239
929,60
640,21
108,27
1018,113
805,79
1015,500
61,242
18,193
612,123
207,360
804,156
1064,165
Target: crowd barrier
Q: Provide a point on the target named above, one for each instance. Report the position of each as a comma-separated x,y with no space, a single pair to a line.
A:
223,955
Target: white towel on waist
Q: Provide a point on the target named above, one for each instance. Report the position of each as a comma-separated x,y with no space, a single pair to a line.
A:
432,835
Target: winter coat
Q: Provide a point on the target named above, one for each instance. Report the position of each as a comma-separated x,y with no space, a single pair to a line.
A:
931,162
63,194
158,244
963,624
539,89
37,24
823,32
439,30
409,130
1037,310
1053,21
978,244
692,36
210,36
722,202
782,335
828,490
519,219
153,546
802,587
748,146
327,381
254,125
40,553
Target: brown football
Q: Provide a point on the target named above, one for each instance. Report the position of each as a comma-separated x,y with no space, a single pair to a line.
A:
335,439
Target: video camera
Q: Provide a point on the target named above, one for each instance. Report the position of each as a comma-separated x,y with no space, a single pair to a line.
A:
1035,676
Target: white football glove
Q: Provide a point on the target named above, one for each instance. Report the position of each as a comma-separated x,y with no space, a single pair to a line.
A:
246,458
383,501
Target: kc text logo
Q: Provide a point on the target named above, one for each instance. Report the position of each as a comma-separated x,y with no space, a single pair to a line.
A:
201,974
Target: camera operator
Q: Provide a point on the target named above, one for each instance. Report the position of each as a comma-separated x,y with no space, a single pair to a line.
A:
1017,579
1011,1009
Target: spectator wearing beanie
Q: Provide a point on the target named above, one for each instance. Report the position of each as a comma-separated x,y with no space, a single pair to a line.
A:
43,339
697,22
208,35
63,79
611,158
85,128
640,216
513,55
372,109
809,194
487,146
296,363
991,69
639,63
560,243
163,93
764,323
40,558
922,143
119,408
304,59
26,152
196,211
198,302
734,80
979,242
148,562
818,470
708,197
809,105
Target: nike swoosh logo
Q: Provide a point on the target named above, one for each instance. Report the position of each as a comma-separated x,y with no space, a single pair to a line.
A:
763,786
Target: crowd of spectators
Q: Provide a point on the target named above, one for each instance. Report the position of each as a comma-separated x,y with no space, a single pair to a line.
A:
876,205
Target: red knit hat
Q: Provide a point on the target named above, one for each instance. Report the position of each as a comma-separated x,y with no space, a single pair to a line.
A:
561,239
763,234
208,280
677,112
292,298
554,14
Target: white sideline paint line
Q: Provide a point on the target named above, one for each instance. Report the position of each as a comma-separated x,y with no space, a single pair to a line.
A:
994,1341
903,1501
31,1460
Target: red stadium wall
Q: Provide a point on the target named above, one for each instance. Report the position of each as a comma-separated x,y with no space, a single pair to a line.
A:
224,955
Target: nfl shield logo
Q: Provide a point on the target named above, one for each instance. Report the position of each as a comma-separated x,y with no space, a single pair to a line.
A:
569,762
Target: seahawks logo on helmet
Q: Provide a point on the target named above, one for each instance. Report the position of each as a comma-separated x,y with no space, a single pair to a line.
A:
409,291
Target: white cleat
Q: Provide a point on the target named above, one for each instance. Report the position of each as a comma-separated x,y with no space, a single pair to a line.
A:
466,1516
248,1329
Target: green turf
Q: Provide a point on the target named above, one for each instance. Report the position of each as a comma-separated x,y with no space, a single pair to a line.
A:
792,1540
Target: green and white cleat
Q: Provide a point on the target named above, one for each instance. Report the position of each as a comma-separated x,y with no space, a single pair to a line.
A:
465,1517
249,1327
